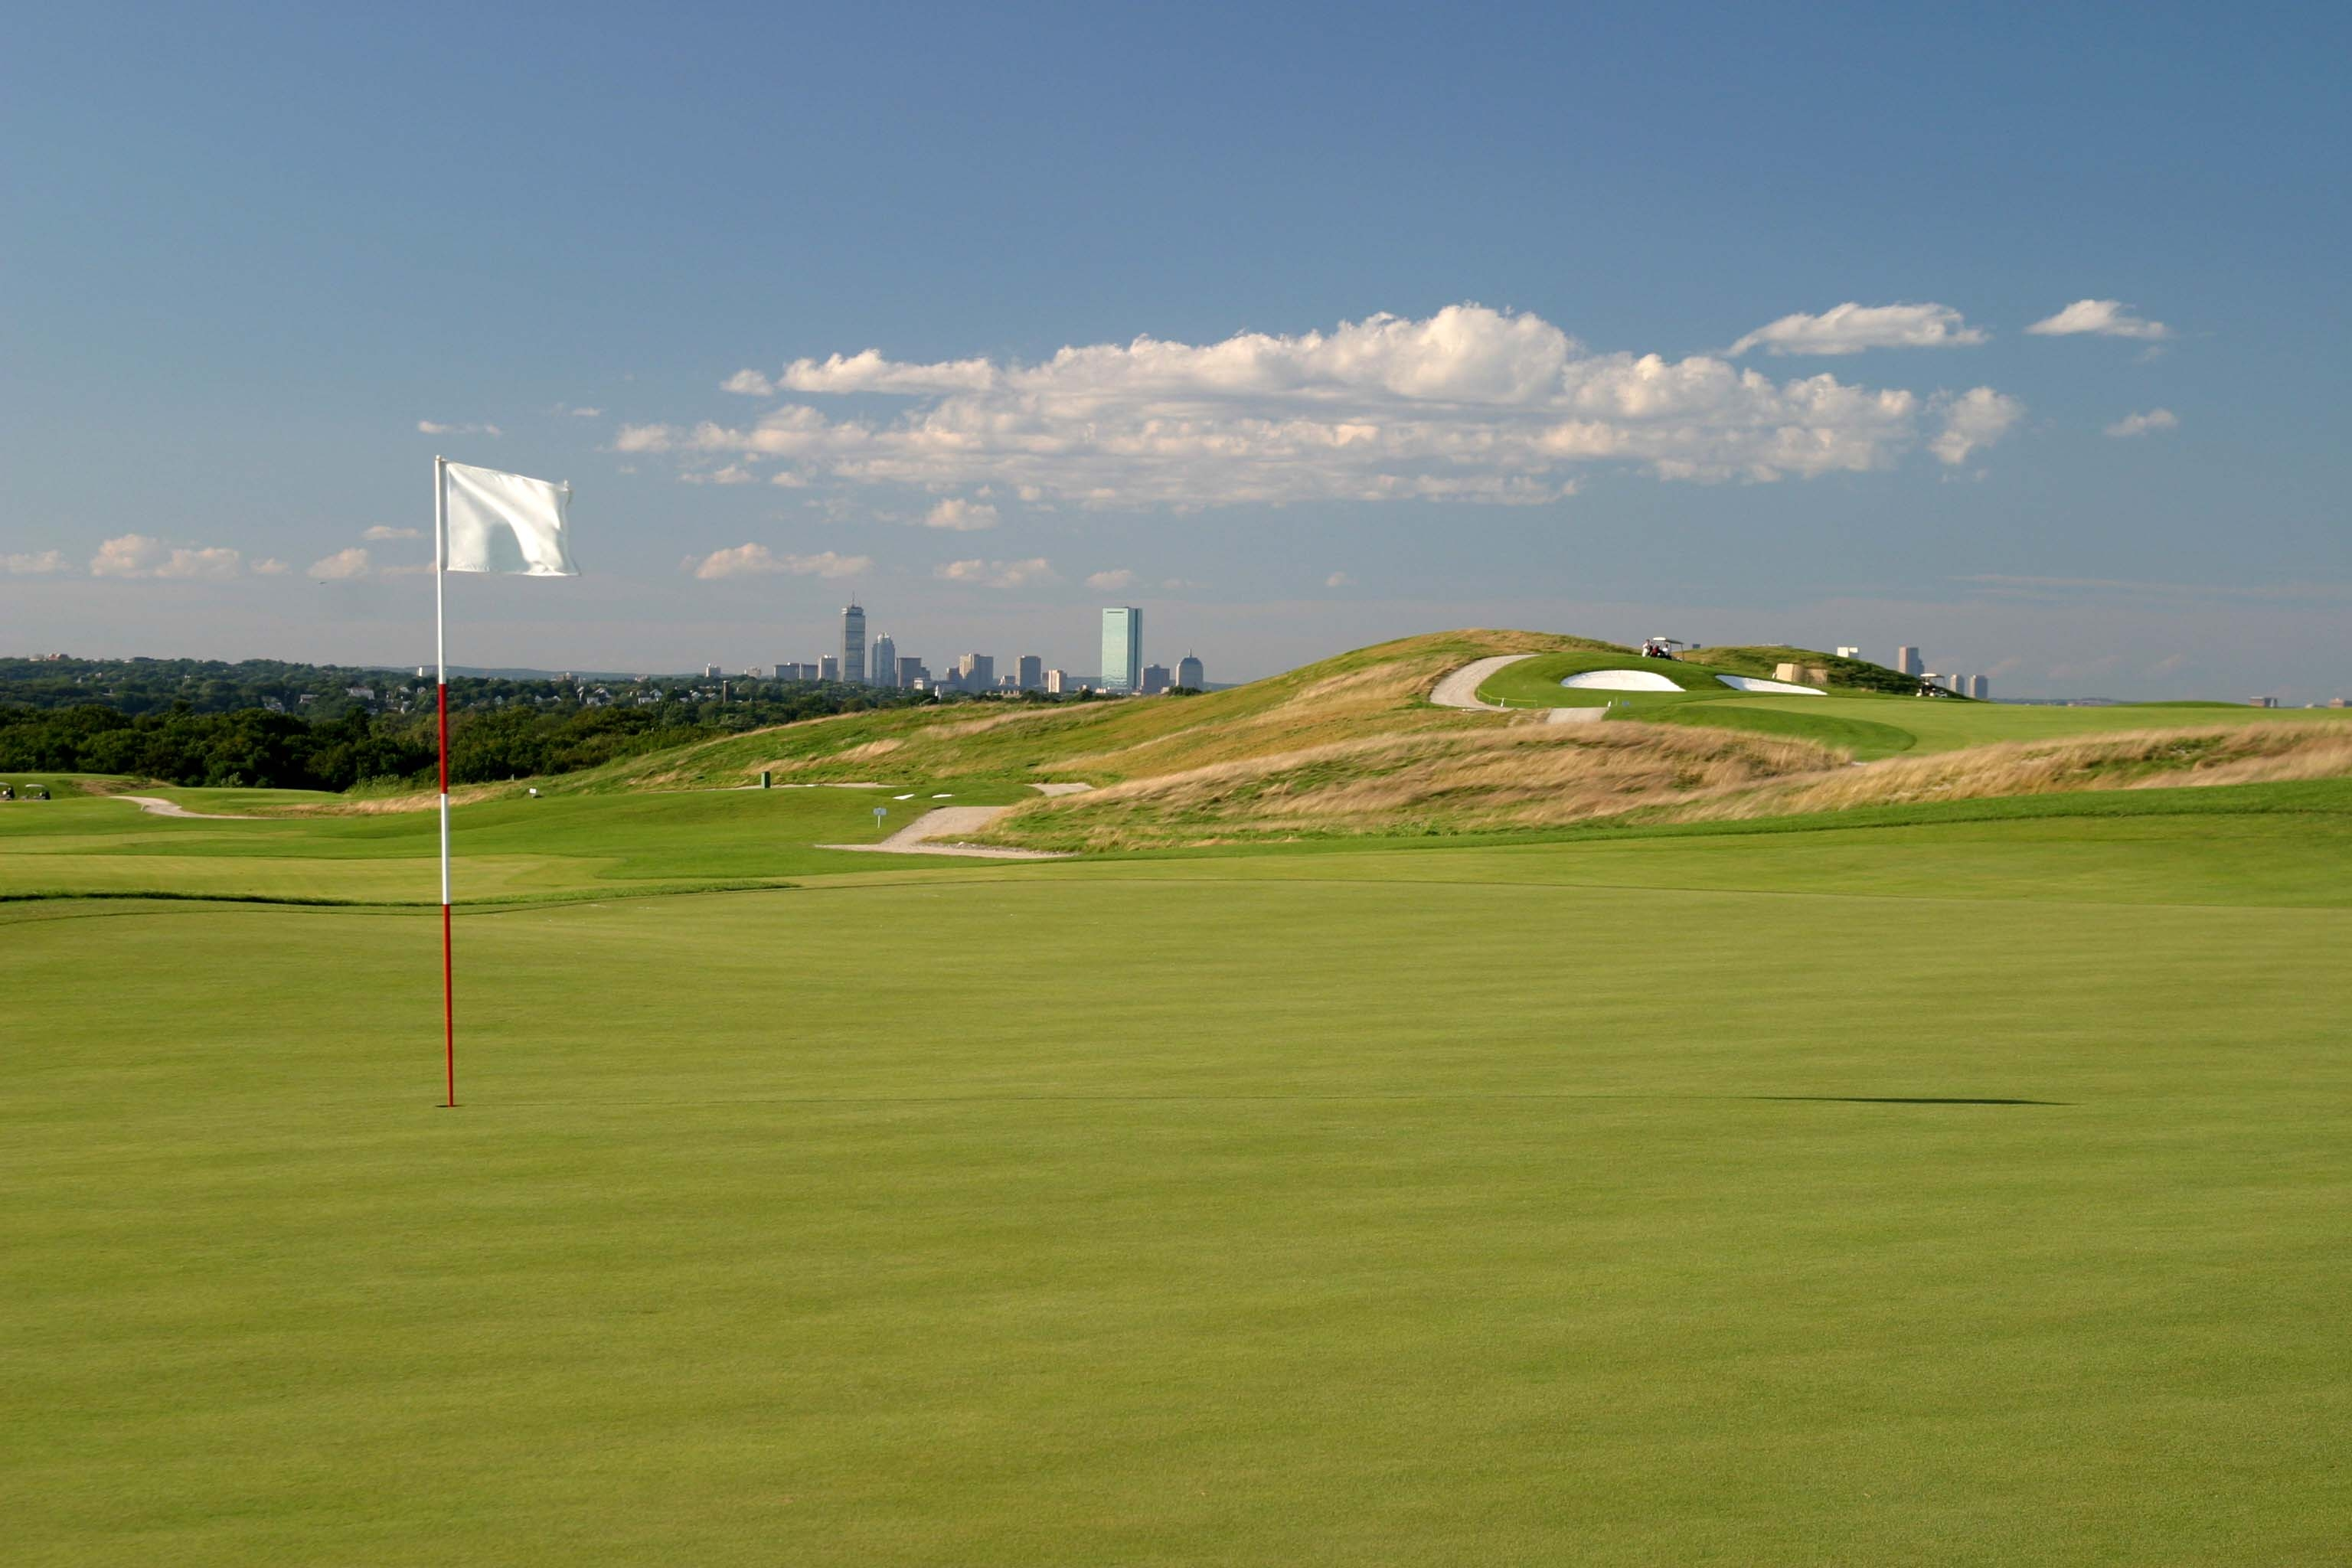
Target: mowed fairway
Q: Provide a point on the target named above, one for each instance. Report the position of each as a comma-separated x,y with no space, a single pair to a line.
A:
1720,1198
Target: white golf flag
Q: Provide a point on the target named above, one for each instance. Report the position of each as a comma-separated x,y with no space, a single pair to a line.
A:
505,523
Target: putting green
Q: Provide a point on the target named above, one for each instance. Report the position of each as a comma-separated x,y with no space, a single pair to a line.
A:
1964,1188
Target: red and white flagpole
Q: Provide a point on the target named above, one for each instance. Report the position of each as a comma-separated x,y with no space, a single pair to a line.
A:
441,694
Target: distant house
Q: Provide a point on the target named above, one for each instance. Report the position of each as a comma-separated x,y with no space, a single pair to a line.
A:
368,693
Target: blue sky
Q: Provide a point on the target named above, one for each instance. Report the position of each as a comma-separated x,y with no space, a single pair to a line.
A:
248,251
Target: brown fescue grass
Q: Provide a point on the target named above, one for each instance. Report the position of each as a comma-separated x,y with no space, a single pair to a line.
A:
1513,775
1529,775
2141,759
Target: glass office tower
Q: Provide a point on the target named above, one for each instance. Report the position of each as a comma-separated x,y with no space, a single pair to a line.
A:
1122,649
852,644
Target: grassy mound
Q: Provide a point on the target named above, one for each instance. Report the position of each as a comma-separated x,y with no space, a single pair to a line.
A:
1484,780
1351,745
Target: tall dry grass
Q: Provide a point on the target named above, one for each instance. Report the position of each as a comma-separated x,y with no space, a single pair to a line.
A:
1496,776
1524,775
2139,759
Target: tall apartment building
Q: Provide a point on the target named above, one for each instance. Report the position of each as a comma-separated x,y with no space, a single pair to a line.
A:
1122,648
1060,682
1980,688
977,671
710,672
1907,661
792,671
885,663
828,666
1029,673
852,644
1189,673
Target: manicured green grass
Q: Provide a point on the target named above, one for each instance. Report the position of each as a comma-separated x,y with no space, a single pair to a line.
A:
505,848
1940,725
1938,1186
1535,682
1867,723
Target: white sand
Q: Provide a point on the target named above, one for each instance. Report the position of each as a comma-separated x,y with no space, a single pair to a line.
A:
1620,681
1751,683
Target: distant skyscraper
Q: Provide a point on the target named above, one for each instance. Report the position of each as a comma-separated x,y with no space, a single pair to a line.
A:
852,644
886,661
1059,683
1031,673
1957,685
910,670
1980,688
1907,661
1189,673
709,672
977,671
1122,648
1156,679
828,666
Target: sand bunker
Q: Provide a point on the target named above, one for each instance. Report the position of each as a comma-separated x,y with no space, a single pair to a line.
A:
1751,683
1620,681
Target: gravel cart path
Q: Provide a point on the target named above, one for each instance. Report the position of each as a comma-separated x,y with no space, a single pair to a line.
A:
159,806
1460,689
917,837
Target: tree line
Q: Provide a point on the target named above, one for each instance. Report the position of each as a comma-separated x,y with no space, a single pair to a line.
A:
252,747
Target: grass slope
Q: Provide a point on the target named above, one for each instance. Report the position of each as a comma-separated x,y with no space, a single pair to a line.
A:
1378,690
1953,1189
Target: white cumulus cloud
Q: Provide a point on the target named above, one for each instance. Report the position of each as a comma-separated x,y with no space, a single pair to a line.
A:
2141,423
1032,573
749,383
732,474
1112,582
961,515
2106,318
270,567
1469,404
435,427
1338,580
381,532
1971,420
33,563
759,560
342,566
1849,329
138,555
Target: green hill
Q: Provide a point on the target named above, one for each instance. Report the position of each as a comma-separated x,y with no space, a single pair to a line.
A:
1352,746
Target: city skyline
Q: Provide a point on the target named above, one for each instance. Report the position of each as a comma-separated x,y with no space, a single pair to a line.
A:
879,662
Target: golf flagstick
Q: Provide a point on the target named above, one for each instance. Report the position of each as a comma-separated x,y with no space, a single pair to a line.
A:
505,523
441,706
